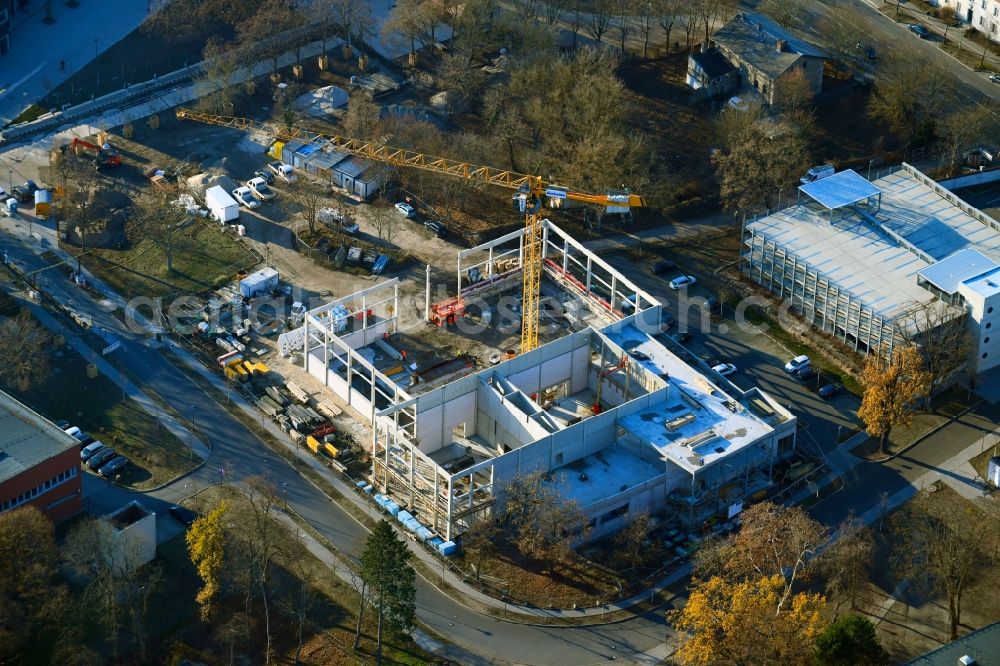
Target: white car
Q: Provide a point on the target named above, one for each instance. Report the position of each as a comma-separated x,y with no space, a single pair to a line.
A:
406,209
333,217
818,173
797,364
260,189
683,281
724,369
283,171
245,197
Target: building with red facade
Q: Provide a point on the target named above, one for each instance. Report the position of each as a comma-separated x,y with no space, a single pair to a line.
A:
39,463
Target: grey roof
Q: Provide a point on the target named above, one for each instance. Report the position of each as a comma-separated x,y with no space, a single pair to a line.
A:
840,189
982,645
753,38
26,438
955,269
328,159
353,166
712,63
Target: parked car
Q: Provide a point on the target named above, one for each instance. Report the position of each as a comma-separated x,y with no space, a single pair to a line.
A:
995,78
818,173
684,338
406,209
113,466
63,425
260,189
797,364
83,438
724,369
663,266
104,455
920,31
334,217
638,355
830,390
439,229
283,171
805,375
25,193
265,174
244,197
185,517
90,450
683,281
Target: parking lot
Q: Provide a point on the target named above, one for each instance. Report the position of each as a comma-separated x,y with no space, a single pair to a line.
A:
759,359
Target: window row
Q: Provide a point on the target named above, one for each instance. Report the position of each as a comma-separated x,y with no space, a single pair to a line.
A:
40,489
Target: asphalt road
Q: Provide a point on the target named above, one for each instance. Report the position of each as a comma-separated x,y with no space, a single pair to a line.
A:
884,34
239,453
864,483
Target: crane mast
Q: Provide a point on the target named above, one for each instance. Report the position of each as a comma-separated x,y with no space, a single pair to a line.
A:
532,188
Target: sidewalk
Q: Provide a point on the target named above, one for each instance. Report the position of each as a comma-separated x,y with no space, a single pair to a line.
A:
31,69
74,340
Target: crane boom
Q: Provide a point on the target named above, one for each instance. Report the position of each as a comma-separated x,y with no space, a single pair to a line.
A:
534,189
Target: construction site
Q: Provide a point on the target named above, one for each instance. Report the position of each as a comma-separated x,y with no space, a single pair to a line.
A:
438,373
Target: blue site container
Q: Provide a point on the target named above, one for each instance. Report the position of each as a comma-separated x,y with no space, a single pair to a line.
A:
448,548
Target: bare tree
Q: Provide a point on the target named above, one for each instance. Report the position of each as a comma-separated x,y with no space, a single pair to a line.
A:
633,539
538,520
25,351
460,73
527,10
259,543
847,561
361,119
306,198
216,81
599,17
711,11
554,11
786,13
410,19
623,14
900,72
259,34
668,13
758,163
384,218
943,338
966,128
939,549
843,29
157,218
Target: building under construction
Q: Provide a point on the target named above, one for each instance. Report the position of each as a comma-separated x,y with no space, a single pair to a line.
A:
617,421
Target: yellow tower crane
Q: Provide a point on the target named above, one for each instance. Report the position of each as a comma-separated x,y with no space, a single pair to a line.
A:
533,191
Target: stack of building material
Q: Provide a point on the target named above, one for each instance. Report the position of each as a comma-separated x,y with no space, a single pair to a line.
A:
297,392
269,407
277,395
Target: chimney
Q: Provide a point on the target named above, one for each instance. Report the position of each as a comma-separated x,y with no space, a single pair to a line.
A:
780,45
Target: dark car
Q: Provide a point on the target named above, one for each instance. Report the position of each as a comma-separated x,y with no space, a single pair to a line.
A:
439,229
25,193
805,375
871,53
684,338
113,466
266,175
104,455
185,517
62,425
663,266
830,390
919,30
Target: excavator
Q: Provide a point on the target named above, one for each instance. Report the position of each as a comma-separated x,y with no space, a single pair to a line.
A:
105,156
531,193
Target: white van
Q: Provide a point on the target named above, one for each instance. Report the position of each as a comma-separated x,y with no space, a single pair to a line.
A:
817,173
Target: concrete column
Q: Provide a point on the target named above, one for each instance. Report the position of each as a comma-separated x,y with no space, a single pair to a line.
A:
364,310
589,271
427,295
305,343
565,261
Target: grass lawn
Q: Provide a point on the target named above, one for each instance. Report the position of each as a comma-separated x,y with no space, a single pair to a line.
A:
982,461
204,257
96,407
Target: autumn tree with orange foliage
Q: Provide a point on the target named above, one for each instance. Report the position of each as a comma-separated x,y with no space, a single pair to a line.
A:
774,540
744,623
891,391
